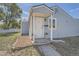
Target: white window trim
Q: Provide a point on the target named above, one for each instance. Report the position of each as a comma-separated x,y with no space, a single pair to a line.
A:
55,23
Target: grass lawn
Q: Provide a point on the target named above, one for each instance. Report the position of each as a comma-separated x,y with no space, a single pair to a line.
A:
69,48
6,42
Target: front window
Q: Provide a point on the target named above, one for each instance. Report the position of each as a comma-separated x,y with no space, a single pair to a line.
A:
53,23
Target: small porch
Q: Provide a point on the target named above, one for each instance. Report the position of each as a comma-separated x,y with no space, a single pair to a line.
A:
38,17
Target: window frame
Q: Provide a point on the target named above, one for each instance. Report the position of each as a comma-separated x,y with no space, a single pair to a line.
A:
52,23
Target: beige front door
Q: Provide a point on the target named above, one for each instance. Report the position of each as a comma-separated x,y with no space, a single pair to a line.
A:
39,28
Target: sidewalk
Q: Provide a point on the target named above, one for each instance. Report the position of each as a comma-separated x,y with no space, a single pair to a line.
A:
48,51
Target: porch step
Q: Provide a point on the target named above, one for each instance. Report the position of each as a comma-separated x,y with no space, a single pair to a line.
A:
42,41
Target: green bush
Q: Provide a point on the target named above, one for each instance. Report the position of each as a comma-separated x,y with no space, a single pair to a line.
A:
11,24
4,26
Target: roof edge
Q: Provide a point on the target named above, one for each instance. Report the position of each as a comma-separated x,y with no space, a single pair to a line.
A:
43,5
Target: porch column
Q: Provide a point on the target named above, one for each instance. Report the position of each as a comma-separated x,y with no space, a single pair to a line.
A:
51,28
33,29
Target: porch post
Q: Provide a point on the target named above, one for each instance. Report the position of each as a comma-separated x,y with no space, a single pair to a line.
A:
33,29
51,28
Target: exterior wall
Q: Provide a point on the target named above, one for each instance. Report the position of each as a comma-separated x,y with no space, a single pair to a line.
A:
25,28
66,25
39,27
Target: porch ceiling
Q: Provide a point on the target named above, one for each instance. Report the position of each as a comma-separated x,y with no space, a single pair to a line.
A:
41,14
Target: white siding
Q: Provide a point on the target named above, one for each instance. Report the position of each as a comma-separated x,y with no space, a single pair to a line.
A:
39,26
66,25
25,28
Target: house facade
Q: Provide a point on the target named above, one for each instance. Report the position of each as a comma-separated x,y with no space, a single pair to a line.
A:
49,23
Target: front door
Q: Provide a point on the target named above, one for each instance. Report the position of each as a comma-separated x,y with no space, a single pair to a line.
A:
39,27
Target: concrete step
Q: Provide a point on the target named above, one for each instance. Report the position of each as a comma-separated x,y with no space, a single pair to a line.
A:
42,41
48,51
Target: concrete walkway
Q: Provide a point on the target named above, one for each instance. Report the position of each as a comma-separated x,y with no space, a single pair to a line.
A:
48,51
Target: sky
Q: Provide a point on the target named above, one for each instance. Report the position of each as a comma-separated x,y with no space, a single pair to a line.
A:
70,8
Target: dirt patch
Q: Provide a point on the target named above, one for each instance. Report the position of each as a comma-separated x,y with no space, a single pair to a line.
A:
28,51
4,53
22,41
